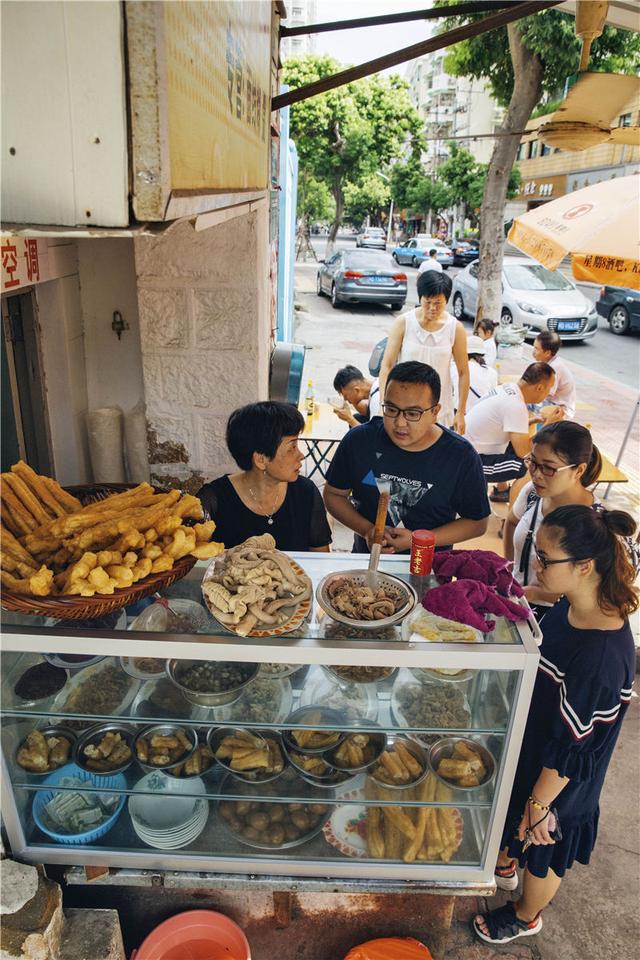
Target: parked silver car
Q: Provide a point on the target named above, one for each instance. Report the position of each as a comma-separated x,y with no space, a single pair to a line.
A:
532,297
362,276
372,237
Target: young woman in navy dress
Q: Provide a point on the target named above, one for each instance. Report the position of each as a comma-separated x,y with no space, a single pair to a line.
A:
581,694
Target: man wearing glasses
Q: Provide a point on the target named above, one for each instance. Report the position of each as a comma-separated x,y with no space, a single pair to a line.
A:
436,477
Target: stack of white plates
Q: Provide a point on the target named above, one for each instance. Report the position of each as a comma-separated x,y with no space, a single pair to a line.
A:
168,813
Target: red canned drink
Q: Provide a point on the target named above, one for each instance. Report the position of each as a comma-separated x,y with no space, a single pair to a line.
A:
423,543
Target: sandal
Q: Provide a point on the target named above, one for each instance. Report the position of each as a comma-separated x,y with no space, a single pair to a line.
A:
506,877
503,925
499,496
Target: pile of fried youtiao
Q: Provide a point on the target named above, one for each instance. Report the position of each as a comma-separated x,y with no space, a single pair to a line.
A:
53,546
409,833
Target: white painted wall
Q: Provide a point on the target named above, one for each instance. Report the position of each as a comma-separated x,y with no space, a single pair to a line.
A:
108,283
64,125
203,300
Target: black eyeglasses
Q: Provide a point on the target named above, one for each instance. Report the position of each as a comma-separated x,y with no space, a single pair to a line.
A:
534,465
411,414
545,562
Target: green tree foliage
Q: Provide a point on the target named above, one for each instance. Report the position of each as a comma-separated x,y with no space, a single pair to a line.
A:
413,190
551,35
371,196
348,134
525,64
314,200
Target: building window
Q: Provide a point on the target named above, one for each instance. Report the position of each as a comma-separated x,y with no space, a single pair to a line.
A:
545,151
521,151
625,120
533,149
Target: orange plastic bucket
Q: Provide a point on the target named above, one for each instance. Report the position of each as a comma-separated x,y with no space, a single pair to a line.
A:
390,948
195,935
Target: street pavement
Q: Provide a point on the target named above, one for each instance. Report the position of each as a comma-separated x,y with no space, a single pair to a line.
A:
615,357
595,914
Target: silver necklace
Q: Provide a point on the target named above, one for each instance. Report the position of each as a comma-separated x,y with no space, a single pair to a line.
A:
268,515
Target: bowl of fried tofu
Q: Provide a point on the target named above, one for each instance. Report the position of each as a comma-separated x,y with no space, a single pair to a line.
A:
462,763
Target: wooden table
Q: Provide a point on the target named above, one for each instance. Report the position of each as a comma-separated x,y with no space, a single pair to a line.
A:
321,435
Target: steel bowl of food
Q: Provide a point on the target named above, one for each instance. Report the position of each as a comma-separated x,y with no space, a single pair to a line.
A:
402,765
349,597
105,749
254,756
211,683
45,749
360,750
462,763
315,730
347,673
164,745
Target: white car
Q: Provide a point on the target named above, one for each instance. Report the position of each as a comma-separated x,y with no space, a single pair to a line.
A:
532,297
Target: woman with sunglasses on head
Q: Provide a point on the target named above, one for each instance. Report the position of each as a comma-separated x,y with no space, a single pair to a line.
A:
563,463
581,694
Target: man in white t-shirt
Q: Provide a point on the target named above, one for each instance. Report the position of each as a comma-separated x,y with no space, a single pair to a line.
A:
561,402
360,394
430,263
498,425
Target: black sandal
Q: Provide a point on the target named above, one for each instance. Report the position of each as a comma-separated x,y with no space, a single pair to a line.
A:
503,925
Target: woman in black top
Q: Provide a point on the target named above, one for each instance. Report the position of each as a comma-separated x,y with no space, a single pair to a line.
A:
267,495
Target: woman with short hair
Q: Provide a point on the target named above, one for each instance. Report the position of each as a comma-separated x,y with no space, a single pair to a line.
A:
433,336
267,494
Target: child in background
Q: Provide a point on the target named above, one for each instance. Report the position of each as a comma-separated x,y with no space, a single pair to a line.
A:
485,330
561,402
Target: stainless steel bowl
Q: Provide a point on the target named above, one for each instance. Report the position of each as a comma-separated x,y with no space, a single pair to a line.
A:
208,699
403,589
328,718
50,732
165,730
217,734
329,778
94,735
378,739
416,751
444,749
335,675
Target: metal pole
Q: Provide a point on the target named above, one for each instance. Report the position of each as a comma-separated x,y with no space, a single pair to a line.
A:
624,442
390,222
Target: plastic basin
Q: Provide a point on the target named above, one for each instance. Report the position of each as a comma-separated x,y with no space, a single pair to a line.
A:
195,935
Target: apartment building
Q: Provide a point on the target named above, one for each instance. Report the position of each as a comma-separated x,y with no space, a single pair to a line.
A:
301,12
548,173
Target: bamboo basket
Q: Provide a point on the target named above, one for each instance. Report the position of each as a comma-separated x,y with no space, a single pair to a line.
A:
90,608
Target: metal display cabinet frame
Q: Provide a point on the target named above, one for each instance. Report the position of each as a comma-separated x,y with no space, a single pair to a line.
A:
512,649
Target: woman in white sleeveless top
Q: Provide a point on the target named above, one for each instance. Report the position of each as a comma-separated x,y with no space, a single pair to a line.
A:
432,336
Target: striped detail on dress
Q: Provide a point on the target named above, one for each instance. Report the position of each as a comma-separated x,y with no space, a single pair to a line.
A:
580,730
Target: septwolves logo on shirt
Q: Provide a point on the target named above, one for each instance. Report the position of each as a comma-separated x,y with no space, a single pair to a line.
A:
405,493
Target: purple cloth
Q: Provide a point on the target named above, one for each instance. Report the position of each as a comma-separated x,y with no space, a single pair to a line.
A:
481,565
465,601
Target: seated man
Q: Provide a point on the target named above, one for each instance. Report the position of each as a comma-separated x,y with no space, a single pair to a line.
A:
498,425
435,474
360,393
561,402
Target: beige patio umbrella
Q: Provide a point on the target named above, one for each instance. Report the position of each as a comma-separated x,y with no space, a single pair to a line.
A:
599,226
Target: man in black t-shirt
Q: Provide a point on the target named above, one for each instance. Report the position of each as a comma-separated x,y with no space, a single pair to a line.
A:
437,481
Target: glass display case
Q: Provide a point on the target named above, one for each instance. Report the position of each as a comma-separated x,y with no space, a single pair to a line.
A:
338,752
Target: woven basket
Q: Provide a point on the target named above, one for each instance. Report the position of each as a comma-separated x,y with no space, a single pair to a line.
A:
89,608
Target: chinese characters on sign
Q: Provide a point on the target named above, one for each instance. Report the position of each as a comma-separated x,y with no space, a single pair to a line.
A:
218,68
24,262
607,263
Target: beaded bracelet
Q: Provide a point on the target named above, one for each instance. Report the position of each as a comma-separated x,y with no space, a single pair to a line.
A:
536,804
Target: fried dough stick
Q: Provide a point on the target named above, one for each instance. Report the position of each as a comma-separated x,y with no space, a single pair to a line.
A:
14,566
49,491
21,517
114,506
31,503
13,546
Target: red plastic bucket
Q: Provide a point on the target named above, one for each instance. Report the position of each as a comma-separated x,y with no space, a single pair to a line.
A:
390,948
195,935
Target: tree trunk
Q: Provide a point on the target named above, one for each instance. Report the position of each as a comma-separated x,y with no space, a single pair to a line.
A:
338,196
528,71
